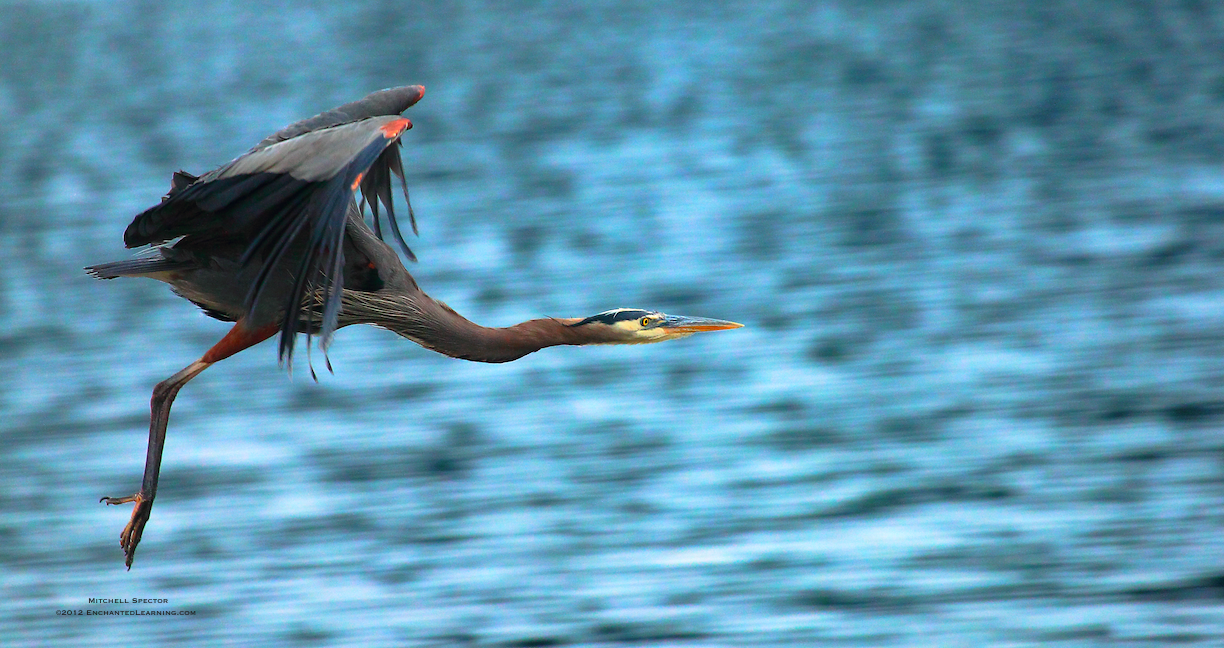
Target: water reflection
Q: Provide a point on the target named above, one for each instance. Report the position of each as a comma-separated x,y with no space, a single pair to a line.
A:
976,402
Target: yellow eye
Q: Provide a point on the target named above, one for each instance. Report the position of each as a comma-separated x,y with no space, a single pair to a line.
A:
646,322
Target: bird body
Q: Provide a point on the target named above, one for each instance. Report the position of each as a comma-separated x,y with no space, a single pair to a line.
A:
276,242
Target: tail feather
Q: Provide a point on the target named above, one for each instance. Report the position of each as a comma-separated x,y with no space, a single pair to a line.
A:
139,267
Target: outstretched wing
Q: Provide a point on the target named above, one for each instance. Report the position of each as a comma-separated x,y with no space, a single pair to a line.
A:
290,193
391,101
376,186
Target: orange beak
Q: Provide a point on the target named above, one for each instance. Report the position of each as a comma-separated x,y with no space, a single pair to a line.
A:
682,324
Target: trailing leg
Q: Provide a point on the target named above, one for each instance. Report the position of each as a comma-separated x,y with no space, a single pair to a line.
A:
237,339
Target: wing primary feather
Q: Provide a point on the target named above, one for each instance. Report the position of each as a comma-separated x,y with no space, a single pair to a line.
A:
380,182
391,101
376,188
308,273
277,247
277,224
217,194
328,212
289,324
320,266
368,197
399,238
261,200
333,238
310,361
307,270
331,312
377,226
397,167
273,258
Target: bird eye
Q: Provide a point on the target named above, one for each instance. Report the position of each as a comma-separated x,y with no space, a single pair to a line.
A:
646,322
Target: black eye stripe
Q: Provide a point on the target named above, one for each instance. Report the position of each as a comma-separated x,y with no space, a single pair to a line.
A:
613,317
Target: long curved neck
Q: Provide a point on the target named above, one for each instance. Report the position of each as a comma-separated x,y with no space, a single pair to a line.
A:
437,327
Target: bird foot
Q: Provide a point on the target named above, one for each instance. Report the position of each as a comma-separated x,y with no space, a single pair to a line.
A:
135,526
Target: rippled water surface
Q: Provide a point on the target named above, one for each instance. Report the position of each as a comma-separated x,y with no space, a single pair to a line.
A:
978,251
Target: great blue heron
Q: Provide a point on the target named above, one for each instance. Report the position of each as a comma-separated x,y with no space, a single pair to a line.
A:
275,241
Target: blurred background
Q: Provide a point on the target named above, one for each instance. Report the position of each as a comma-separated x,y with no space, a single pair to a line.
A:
977,247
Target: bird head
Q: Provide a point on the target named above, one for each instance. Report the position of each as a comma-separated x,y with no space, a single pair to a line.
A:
637,326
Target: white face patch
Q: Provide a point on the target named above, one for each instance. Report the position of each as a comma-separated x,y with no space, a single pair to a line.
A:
643,327
637,326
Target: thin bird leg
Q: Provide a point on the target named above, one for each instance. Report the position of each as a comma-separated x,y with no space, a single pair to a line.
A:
239,338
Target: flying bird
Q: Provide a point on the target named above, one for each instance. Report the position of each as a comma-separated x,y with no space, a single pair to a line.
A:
276,241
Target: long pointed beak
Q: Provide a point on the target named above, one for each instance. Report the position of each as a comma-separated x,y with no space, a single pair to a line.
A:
682,324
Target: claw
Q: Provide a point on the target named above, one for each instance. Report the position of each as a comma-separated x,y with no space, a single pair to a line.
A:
130,537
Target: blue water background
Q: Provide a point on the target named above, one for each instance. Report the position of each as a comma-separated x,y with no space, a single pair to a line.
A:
978,249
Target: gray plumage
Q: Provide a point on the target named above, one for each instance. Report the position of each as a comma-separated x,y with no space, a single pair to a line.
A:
275,241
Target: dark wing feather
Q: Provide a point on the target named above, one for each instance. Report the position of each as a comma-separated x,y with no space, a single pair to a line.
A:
391,101
376,188
296,190
181,180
